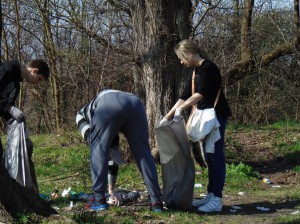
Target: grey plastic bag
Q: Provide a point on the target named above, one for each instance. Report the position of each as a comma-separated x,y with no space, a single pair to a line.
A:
16,158
178,170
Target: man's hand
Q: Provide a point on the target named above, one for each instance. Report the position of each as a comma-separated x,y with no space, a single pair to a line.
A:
115,198
177,116
17,114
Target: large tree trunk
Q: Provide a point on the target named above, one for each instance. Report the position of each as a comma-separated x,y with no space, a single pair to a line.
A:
157,27
15,199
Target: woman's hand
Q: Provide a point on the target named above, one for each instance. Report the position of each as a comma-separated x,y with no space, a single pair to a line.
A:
164,122
177,116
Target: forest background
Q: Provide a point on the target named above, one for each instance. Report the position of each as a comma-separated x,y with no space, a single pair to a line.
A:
128,45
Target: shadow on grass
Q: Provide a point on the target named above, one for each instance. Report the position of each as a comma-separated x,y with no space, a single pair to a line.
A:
278,164
252,208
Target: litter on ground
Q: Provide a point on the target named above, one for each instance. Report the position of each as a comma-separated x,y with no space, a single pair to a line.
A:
236,207
295,212
262,208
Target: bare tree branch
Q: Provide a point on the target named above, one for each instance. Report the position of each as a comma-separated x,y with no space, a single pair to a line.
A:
211,7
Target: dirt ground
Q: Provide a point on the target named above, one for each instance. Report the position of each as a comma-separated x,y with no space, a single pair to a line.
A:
256,149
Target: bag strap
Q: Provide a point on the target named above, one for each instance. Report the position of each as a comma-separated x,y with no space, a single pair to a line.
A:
217,98
193,90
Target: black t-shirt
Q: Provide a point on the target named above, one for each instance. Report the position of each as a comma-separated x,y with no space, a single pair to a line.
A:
10,78
208,81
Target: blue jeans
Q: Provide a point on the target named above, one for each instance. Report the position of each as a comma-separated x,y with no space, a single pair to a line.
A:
216,163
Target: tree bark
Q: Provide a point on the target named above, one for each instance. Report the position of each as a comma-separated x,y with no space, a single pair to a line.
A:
157,27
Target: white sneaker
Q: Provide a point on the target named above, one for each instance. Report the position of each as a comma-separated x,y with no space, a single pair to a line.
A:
214,205
203,201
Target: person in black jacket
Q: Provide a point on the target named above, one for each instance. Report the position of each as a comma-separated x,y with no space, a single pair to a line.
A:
208,82
11,74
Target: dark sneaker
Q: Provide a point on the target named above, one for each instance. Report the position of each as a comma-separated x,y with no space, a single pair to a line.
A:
97,205
157,207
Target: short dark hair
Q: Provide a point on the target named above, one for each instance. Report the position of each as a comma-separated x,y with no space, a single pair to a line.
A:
42,66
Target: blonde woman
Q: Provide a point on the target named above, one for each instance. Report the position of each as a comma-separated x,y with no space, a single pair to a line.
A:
208,81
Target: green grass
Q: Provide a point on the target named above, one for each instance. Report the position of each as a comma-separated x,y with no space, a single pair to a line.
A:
287,125
237,176
241,171
239,127
57,168
23,219
60,168
289,146
62,161
297,168
288,219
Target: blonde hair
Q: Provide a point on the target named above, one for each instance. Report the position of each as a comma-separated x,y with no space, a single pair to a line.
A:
186,47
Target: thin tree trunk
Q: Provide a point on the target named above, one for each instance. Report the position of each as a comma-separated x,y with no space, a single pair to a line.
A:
18,43
297,24
236,19
5,45
1,29
50,49
246,52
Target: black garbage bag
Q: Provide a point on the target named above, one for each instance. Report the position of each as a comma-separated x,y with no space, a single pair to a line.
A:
18,155
178,169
